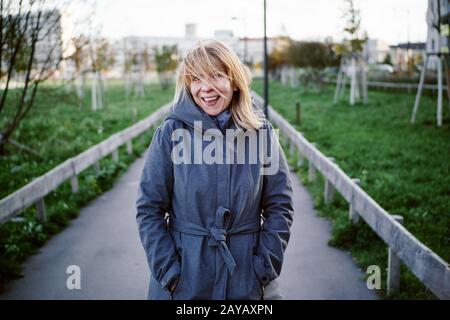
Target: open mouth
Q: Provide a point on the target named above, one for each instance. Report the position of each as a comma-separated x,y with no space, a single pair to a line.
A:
210,99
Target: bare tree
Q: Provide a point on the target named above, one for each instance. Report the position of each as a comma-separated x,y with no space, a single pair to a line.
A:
127,66
79,59
166,63
30,53
102,59
137,61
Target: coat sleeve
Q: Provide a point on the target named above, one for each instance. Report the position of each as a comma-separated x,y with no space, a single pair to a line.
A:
153,201
277,206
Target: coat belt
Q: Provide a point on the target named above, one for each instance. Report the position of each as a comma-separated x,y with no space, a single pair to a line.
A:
217,235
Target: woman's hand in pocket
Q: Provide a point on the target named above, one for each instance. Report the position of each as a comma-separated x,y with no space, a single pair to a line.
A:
174,283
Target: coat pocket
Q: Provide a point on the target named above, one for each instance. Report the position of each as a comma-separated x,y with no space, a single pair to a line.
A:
255,275
176,236
258,283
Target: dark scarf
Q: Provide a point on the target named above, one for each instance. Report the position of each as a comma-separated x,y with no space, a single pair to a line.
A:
222,120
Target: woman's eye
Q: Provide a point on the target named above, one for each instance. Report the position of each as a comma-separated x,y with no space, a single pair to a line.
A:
195,79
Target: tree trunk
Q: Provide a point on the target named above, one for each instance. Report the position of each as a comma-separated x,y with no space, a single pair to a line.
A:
79,85
94,92
127,84
353,85
101,90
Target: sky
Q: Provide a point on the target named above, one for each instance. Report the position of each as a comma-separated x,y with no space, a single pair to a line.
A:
393,21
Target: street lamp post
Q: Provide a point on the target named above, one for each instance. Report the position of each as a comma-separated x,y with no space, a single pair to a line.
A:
266,68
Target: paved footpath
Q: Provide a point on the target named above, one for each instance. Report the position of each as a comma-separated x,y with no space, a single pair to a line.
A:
103,241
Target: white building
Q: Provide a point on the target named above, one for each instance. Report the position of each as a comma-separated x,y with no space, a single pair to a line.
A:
437,13
49,46
403,54
248,49
191,30
375,51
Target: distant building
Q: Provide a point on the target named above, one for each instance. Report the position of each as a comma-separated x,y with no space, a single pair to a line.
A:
375,51
223,34
250,49
438,27
191,30
255,48
49,47
402,53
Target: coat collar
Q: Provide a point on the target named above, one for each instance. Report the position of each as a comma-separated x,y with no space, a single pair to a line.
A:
186,110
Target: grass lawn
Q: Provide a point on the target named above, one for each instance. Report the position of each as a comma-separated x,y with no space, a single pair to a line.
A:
404,167
57,128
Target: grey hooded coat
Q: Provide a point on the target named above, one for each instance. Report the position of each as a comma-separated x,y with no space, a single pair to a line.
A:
223,228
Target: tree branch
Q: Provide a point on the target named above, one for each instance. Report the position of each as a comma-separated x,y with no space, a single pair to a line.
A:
17,47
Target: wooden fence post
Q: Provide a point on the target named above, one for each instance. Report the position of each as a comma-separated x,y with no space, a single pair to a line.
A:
134,117
74,179
74,184
40,210
96,166
353,215
329,189
291,148
300,159
115,155
129,147
311,172
393,278
297,112
284,138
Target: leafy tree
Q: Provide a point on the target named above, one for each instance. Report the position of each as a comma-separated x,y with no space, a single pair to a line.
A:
351,52
104,57
277,59
79,58
313,57
354,38
387,59
166,63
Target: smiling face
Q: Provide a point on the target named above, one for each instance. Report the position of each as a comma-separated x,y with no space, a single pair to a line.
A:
213,95
214,77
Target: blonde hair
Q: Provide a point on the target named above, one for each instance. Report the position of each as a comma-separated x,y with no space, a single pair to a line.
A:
215,58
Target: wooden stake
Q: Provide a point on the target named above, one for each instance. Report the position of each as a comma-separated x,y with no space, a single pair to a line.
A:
394,263
353,215
40,210
419,90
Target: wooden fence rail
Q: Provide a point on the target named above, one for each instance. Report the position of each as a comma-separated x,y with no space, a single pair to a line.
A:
410,87
429,268
35,191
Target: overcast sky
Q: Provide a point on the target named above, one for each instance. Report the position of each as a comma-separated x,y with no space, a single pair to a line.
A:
390,20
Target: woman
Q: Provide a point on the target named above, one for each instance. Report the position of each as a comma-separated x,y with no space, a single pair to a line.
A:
211,227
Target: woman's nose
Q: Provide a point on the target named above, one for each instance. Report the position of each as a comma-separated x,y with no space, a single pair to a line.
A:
205,87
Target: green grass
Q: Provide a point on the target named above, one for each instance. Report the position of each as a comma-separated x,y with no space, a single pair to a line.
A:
404,167
57,128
